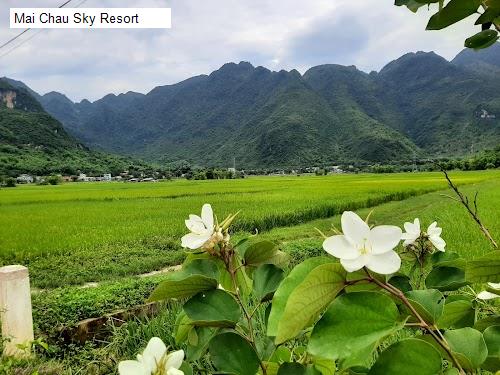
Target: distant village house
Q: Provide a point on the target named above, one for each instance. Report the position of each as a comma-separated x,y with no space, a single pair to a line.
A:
25,179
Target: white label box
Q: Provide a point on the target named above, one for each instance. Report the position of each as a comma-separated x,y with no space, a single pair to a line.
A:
91,18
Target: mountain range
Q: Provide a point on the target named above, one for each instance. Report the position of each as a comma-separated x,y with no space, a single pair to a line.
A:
418,105
33,141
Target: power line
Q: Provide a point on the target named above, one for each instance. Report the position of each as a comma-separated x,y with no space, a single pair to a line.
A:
26,30
34,35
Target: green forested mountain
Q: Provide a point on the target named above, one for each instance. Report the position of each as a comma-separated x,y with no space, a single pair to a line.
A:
419,104
483,61
32,141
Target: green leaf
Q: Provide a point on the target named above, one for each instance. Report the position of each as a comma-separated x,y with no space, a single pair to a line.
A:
182,327
492,338
232,353
443,256
294,368
183,288
266,279
454,11
257,253
410,356
489,321
482,39
457,314
215,308
446,278
488,16
451,371
309,299
296,276
484,269
203,267
324,366
186,369
412,5
402,282
353,322
429,303
203,336
468,346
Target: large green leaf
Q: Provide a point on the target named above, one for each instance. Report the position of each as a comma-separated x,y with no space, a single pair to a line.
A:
256,253
440,257
233,354
410,356
182,327
196,350
205,267
296,276
402,282
482,39
353,322
446,278
293,368
457,314
413,5
428,303
484,269
454,11
310,299
266,280
468,346
482,324
488,16
492,338
183,288
215,308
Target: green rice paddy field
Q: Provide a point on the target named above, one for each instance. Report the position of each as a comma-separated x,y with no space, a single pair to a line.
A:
76,233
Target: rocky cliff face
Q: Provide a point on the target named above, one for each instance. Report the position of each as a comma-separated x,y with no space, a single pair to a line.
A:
8,98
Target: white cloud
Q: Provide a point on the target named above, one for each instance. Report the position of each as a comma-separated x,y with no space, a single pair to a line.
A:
279,34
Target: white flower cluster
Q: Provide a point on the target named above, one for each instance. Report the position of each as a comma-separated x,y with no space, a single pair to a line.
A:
359,246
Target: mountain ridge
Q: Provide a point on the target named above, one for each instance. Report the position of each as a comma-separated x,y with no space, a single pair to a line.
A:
415,105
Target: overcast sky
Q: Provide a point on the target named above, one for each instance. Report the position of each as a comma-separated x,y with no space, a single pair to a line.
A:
205,34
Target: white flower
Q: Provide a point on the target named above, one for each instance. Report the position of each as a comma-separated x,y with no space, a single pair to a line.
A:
488,295
202,228
359,246
434,233
154,360
412,232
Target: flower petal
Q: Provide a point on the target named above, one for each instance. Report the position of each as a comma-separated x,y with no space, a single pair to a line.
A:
434,230
352,265
487,295
384,238
384,264
438,242
194,241
195,226
354,228
413,228
174,371
494,285
132,368
174,359
207,215
339,247
154,352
